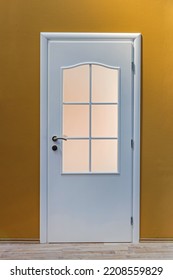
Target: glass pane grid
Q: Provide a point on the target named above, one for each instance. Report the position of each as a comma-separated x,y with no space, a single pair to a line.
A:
98,142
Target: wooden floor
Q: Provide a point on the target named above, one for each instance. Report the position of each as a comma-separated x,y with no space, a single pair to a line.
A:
77,251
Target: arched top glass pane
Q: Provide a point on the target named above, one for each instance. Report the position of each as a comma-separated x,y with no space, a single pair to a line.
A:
104,84
76,84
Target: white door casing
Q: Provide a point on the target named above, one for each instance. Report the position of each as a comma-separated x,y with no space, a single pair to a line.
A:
56,56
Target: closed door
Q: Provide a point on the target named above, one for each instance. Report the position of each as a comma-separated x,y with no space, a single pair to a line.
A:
90,89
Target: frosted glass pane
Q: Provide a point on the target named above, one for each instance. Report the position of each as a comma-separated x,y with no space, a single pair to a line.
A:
76,156
76,84
104,84
104,120
104,156
76,120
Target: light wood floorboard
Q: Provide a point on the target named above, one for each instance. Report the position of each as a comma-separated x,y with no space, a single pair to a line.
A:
77,251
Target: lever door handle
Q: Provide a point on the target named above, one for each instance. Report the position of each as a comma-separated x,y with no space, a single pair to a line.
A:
55,138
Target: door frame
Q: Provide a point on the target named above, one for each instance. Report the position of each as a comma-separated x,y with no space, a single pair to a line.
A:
45,38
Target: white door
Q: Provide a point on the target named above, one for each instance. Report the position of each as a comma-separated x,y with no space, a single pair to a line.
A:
90,100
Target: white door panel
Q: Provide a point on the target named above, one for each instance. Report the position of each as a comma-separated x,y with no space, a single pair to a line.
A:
93,201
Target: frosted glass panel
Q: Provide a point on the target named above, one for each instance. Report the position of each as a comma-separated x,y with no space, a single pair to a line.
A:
104,156
76,84
86,121
104,120
76,156
76,120
104,84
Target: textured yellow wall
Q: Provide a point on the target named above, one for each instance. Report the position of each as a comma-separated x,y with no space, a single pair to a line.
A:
21,22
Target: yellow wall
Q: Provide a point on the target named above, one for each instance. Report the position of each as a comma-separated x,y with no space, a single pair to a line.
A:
21,21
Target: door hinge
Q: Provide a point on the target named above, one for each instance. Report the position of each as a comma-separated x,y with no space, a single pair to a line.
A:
133,67
131,221
132,144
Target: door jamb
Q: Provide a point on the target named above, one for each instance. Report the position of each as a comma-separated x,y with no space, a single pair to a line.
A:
135,38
